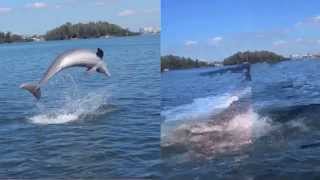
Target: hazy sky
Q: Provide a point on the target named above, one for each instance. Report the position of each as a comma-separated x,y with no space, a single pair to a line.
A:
214,29
28,17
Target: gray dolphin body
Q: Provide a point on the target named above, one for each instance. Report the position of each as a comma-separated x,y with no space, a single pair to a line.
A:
72,58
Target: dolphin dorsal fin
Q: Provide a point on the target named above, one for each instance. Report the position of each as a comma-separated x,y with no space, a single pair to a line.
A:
99,53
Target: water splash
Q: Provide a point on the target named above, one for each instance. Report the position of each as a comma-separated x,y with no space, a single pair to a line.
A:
92,104
207,139
230,124
202,108
73,105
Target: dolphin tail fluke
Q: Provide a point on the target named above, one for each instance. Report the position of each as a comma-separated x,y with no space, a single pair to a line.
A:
33,89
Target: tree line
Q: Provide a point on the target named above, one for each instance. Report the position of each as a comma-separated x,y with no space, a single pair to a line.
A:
252,57
177,62
8,37
86,30
69,31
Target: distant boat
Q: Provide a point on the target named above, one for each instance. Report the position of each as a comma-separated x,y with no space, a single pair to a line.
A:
166,70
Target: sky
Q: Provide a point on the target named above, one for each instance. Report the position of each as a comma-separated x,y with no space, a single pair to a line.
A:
37,17
212,30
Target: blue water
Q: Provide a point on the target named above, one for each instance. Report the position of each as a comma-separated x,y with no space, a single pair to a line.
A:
219,126
84,126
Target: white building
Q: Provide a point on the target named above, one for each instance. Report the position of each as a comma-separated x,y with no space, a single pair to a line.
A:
149,30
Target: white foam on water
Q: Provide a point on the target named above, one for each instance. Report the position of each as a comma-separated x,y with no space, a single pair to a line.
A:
246,125
209,139
249,124
54,119
73,109
298,123
202,108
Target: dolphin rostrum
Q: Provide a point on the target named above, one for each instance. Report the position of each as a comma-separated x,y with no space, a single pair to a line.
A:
72,58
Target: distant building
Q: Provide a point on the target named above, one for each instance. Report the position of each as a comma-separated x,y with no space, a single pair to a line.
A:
308,55
303,56
294,56
149,30
218,64
36,38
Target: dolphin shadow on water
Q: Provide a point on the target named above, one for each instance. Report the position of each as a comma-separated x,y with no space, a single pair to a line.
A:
72,58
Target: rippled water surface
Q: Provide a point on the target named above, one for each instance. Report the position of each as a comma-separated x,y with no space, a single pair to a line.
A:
85,125
220,126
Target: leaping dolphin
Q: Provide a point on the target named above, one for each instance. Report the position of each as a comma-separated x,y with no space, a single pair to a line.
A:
72,58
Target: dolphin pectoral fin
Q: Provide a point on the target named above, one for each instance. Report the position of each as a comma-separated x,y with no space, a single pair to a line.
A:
92,69
33,89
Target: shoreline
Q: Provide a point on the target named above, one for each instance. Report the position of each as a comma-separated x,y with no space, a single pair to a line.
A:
75,39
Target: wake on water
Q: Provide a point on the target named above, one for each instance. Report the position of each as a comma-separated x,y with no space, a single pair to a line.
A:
202,108
75,106
222,126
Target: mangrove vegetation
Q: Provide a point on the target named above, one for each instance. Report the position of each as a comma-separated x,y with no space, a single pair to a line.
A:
252,57
71,31
176,62
87,30
8,37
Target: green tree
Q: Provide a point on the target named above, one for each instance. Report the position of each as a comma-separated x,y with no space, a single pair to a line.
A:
176,62
88,30
252,57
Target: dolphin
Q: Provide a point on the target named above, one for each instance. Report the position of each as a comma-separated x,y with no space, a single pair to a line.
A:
93,61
